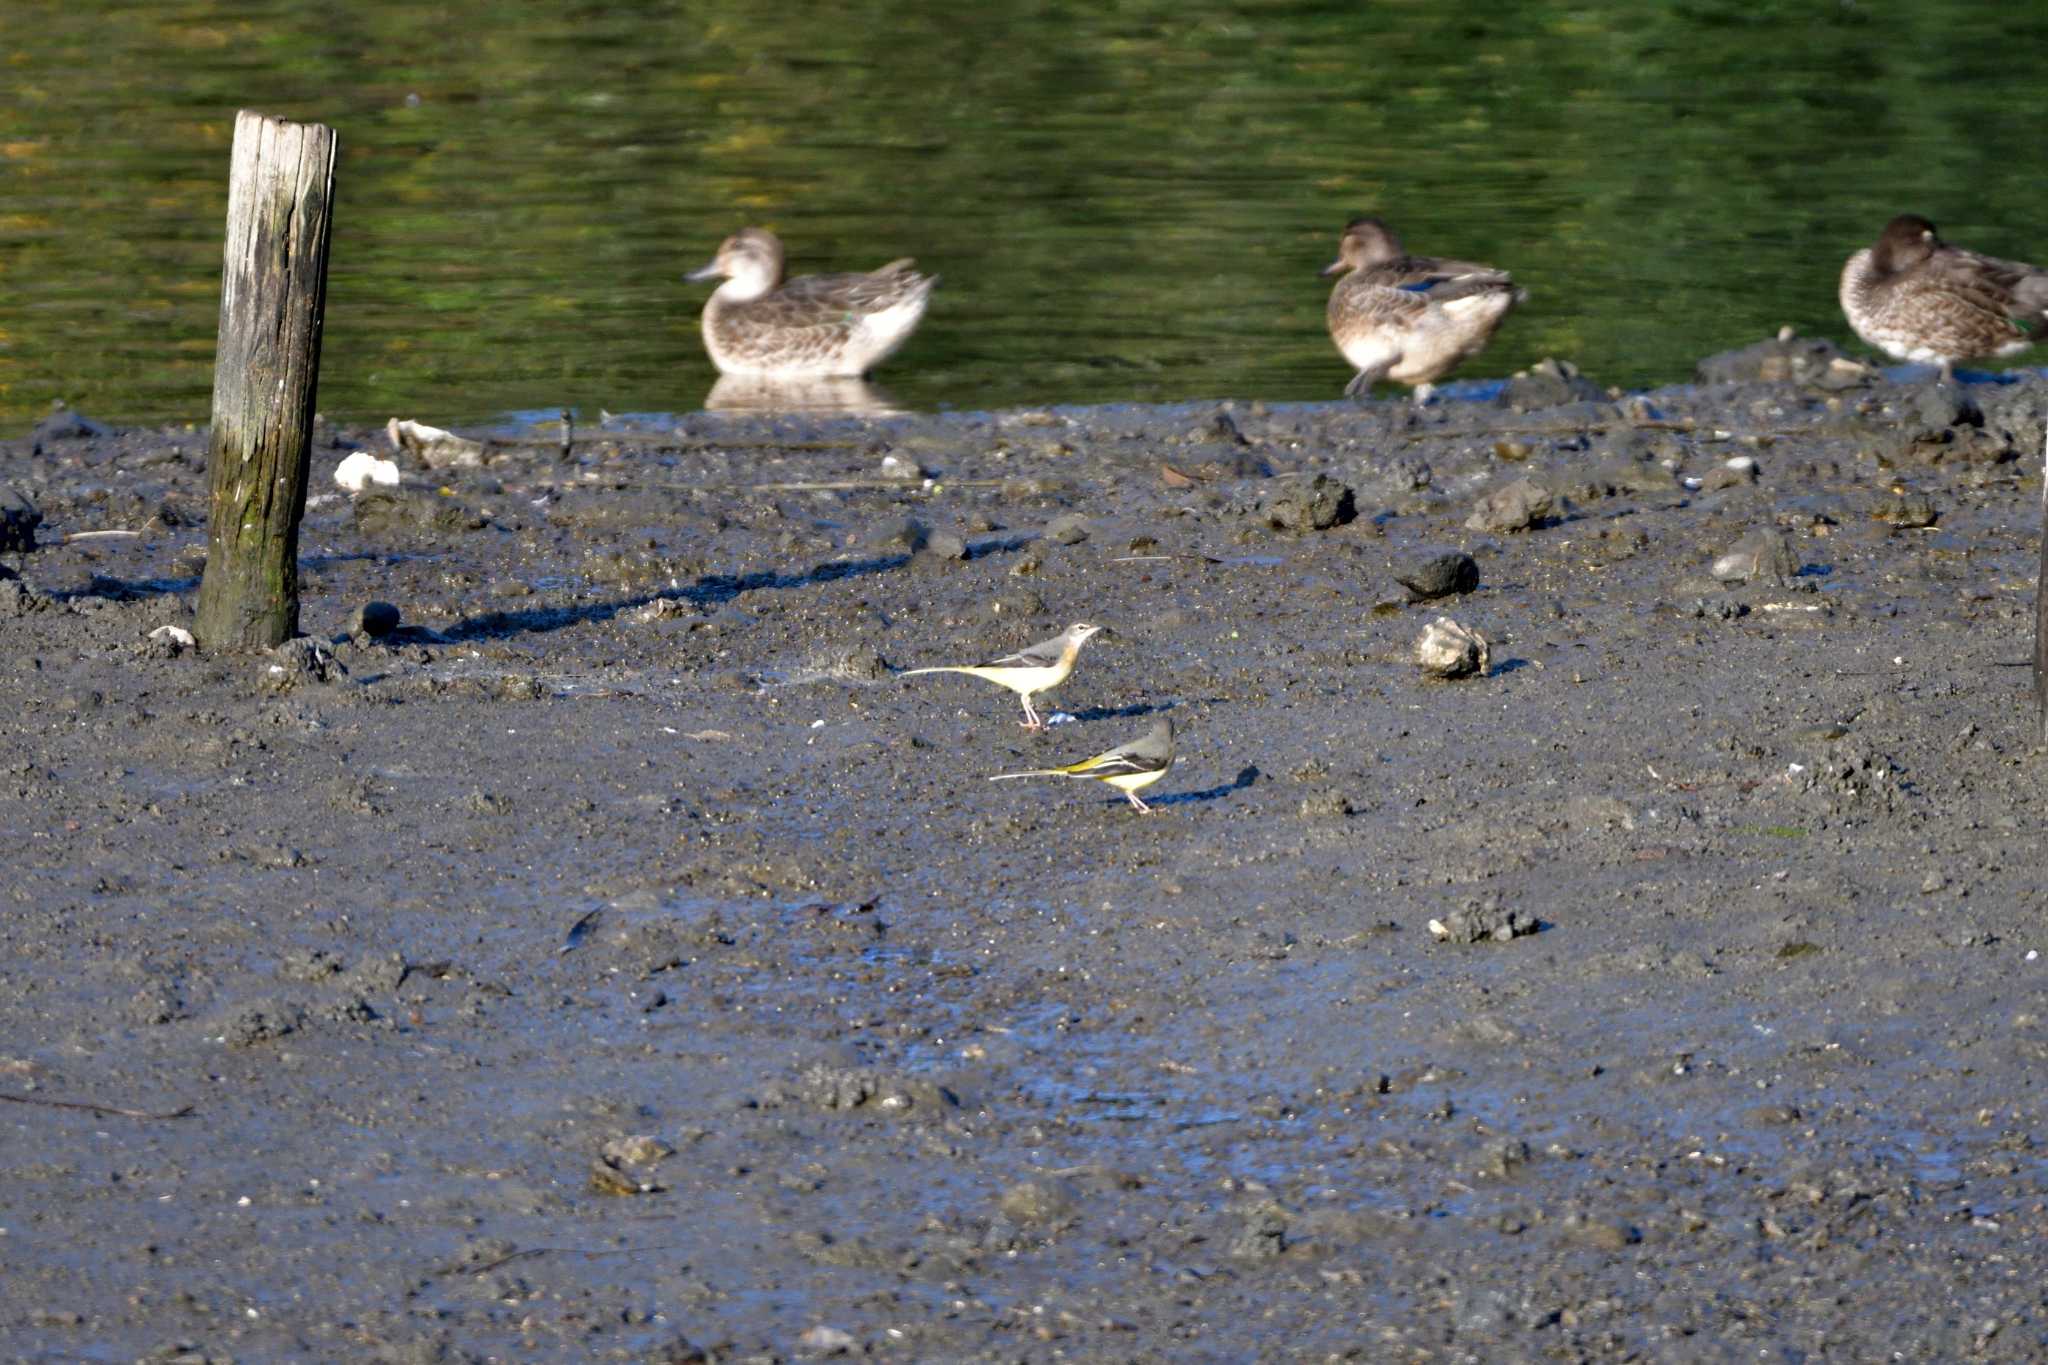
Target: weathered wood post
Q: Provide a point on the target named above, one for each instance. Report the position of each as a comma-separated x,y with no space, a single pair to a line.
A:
2041,611
266,369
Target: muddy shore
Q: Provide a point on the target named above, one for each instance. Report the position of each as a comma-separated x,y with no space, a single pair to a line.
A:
618,962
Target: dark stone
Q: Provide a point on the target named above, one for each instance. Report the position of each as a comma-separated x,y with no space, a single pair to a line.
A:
903,533
1784,359
66,425
1312,505
1764,553
1433,573
1548,383
1517,507
374,619
1070,529
18,521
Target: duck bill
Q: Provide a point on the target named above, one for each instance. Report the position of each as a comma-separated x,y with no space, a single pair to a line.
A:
709,272
1336,267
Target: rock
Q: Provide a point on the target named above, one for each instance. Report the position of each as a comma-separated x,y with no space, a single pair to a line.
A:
1908,509
1517,507
1734,472
1449,650
1632,476
902,467
1600,1234
1040,1203
1325,806
1263,1235
18,521
902,533
433,447
638,1150
943,545
1786,358
1224,428
1548,383
167,642
1070,529
376,974
260,1022
300,660
1945,405
1315,504
1763,553
1437,572
18,599
1483,919
65,425
826,1341
610,1179
362,469
374,619
1942,424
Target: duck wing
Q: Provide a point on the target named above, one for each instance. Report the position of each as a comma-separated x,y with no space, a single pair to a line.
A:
2008,291
826,296
1440,281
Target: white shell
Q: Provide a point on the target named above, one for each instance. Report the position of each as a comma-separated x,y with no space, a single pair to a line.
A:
363,469
1449,650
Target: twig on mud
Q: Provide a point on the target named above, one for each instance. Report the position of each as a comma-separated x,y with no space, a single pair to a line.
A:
113,1109
73,537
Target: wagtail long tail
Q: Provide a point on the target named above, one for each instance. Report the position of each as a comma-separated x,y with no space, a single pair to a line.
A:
1031,670
1128,767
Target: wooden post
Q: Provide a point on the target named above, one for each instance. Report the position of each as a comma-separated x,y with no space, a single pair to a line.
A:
266,370
2041,612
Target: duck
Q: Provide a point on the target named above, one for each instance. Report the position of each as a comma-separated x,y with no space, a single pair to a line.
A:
1411,319
811,327
1916,298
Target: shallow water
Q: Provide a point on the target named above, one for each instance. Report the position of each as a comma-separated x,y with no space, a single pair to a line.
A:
1125,206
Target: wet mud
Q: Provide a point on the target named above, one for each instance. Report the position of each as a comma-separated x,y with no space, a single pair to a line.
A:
607,957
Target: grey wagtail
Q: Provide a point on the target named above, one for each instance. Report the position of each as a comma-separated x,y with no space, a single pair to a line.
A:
1127,767
1035,668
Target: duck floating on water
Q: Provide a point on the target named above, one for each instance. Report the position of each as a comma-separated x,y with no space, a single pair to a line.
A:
1916,298
814,326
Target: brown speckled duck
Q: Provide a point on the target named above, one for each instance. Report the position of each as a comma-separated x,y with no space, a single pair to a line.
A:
1411,319
1915,297
814,326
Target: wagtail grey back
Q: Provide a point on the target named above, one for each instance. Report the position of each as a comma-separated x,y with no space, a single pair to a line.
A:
814,326
1915,297
1031,670
1411,319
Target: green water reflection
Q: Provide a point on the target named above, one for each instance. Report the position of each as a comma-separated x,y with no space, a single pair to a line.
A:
1126,202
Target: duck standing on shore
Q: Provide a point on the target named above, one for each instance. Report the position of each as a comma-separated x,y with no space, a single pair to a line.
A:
1916,298
814,326
1411,319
